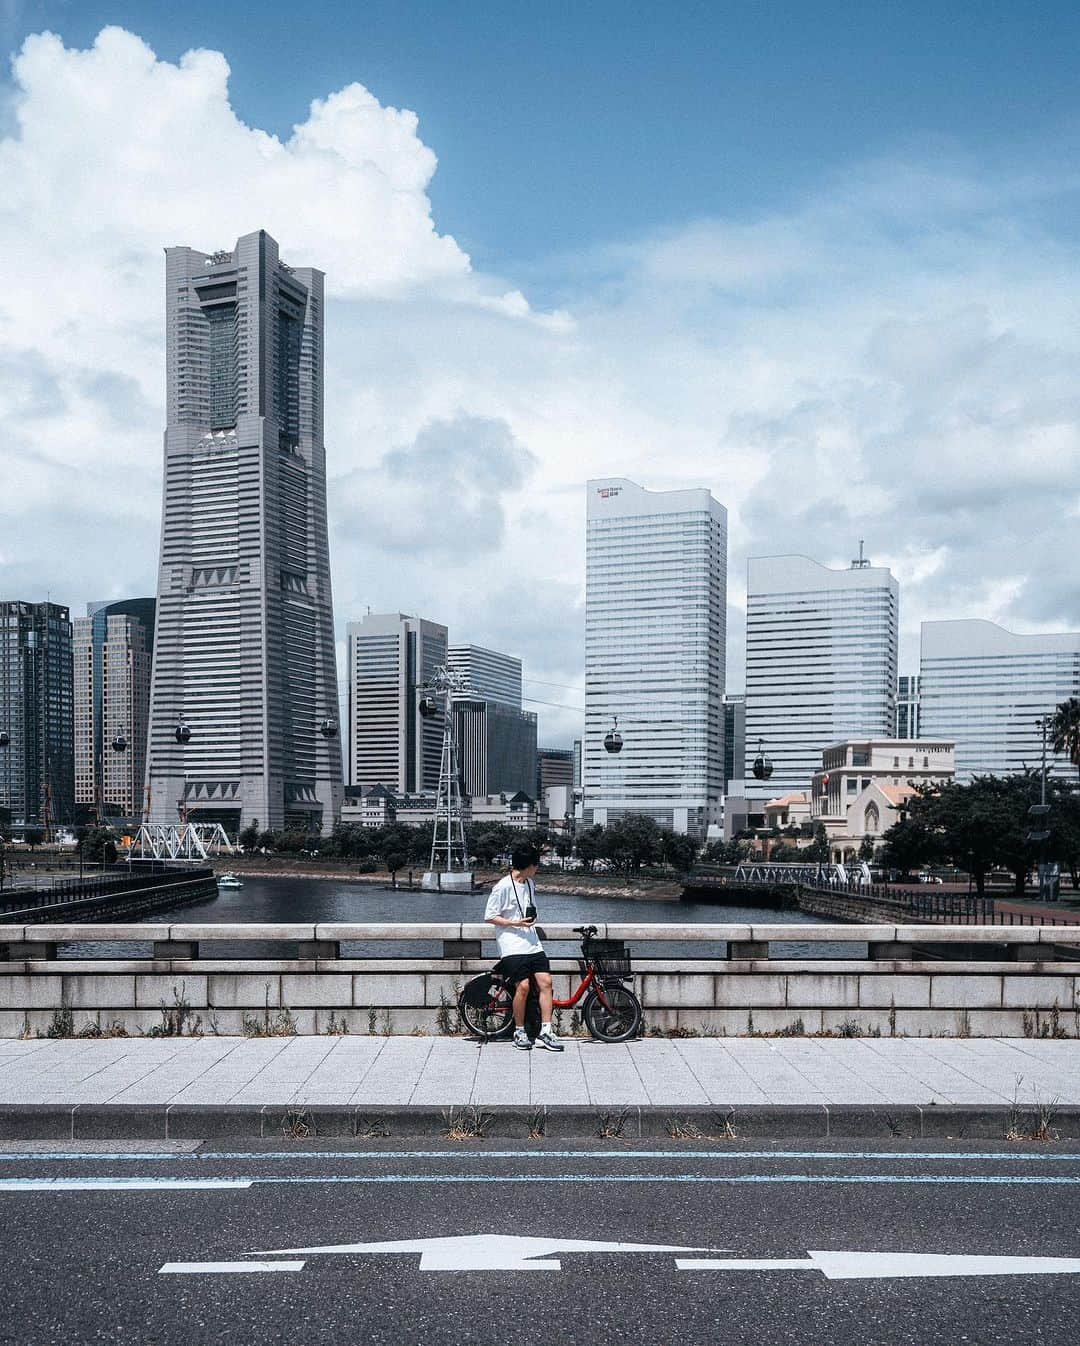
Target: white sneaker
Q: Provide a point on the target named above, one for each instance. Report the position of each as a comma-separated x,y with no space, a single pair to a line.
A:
521,1040
550,1041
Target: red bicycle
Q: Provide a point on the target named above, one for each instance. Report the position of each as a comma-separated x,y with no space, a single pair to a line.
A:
611,1011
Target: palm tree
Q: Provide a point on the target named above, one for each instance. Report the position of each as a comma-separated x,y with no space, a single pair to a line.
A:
1064,730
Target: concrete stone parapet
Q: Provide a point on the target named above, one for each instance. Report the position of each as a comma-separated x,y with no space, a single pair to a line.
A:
885,936
918,980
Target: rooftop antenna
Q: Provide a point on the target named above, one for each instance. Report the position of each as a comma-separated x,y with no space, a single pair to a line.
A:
861,562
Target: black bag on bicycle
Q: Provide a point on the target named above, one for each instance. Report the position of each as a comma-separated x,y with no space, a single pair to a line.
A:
477,992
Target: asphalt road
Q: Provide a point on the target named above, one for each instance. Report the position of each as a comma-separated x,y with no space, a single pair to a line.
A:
119,1249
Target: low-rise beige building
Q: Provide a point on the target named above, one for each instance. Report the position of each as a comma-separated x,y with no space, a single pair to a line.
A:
863,784
791,810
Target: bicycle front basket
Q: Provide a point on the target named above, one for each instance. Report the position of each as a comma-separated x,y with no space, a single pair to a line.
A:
612,957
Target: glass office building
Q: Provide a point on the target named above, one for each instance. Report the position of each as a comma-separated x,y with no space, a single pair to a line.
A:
391,656
907,707
113,645
985,688
37,763
655,650
821,653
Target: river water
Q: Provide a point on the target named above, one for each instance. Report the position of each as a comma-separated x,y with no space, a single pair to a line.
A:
266,900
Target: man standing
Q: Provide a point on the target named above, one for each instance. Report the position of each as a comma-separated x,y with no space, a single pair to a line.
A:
522,960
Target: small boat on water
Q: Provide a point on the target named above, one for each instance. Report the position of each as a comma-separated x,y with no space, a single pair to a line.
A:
229,881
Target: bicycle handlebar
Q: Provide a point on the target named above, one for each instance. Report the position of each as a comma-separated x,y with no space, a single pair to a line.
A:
587,930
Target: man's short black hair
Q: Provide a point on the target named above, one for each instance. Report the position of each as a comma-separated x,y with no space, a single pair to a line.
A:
524,855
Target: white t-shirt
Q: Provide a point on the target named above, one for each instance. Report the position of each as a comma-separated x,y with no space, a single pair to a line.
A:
509,898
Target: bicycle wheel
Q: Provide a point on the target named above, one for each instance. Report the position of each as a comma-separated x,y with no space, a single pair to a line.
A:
493,1021
619,1020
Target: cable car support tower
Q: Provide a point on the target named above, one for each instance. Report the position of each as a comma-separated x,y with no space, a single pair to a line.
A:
448,870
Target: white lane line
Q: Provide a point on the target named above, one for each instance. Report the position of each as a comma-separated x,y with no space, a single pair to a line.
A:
846,1266
14,1155
120,1184
213,1268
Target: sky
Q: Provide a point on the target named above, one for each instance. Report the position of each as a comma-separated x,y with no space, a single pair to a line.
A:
820,258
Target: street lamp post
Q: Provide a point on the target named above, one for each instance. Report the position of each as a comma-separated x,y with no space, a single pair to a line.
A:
5,741
1040,832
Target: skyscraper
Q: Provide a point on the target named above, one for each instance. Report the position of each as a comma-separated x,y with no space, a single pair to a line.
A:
985,688
496,738
113,647
37,772
391,656
907,706
821,651
244,645
734,740
655,650
494,676
554,766
496,747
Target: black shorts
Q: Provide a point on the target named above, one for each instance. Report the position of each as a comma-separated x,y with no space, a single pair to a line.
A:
516,967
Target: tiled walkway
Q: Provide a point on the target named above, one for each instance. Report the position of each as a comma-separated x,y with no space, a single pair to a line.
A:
438,1071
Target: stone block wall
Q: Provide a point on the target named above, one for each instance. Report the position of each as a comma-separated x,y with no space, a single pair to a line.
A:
694,998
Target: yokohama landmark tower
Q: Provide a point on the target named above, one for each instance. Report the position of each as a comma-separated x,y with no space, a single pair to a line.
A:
243,709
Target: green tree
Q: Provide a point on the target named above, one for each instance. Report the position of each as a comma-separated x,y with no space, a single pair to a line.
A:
33,836
403,843
97,845
488,840
1064,730
908,844
727,852
589,844
976,826
293,841
866,848
632,842
677,850
1064,842
818,850
249,837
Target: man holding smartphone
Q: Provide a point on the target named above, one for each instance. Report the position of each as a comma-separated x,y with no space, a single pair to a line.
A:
522,960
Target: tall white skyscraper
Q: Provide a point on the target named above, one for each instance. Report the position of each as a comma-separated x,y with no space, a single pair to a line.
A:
821,653
491,675
655,651
985,687
391,656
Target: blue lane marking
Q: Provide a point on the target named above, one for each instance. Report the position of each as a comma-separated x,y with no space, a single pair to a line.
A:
724,1156
543,1178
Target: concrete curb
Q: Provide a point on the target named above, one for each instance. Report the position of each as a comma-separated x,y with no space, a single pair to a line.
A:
296,1121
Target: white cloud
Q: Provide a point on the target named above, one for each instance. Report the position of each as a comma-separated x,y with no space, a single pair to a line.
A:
893,358
440,495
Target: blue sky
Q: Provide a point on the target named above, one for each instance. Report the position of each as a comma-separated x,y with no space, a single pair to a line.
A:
820,258
562,125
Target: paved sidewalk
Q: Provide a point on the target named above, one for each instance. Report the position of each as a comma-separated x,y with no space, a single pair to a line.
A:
418,1073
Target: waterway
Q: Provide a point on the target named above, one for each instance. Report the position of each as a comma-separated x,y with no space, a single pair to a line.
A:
266,900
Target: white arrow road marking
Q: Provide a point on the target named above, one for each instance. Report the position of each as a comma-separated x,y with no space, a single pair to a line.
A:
487,1252
119,1184
213,1268
846,1266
